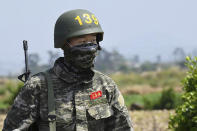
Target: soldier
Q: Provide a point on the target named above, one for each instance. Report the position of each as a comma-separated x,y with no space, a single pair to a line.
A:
81,99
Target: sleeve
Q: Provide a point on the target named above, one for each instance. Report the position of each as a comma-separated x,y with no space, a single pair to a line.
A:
24,110
120,121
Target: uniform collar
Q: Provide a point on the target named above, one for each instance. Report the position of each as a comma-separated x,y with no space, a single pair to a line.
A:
66,73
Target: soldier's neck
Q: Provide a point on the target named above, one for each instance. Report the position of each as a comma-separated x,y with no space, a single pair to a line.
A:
74,69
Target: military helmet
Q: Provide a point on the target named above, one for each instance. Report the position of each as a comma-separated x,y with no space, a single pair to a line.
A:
76,23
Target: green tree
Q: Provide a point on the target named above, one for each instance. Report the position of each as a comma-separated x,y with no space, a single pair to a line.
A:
185,118
148,66
168,100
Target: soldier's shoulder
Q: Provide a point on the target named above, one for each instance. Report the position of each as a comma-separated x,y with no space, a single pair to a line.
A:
36,80
105,79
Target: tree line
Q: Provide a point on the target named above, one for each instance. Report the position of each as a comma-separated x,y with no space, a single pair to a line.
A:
110,62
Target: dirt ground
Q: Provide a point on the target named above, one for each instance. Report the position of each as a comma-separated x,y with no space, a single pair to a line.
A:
156,120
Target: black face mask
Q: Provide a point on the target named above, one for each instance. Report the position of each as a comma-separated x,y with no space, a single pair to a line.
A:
81,56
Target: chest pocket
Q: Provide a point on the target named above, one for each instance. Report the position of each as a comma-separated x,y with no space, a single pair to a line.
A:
100,111
97,115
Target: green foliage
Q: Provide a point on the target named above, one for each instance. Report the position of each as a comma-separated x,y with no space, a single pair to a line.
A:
139,99
2,91
157,100
185,118
13,93
168,100
8,94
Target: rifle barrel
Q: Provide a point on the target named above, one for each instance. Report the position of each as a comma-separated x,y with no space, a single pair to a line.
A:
25,46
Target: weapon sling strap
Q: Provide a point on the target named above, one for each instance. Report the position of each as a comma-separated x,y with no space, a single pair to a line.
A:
51,102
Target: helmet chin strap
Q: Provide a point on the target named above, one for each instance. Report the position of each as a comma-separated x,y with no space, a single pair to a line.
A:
99,47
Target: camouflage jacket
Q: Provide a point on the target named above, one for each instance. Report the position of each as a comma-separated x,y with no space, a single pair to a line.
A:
82,103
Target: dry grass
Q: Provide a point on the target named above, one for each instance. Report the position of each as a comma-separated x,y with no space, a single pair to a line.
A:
145,89
2,117
156,120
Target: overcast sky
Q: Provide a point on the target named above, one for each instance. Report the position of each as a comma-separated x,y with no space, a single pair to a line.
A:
144,27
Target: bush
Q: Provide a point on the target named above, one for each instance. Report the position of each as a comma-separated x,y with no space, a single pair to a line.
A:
139,99
168,100
2,91
185,118
13,91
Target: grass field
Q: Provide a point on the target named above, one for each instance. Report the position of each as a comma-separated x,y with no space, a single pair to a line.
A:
156,120
140,98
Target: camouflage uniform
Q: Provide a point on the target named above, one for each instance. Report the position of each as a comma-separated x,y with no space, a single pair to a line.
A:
75,110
